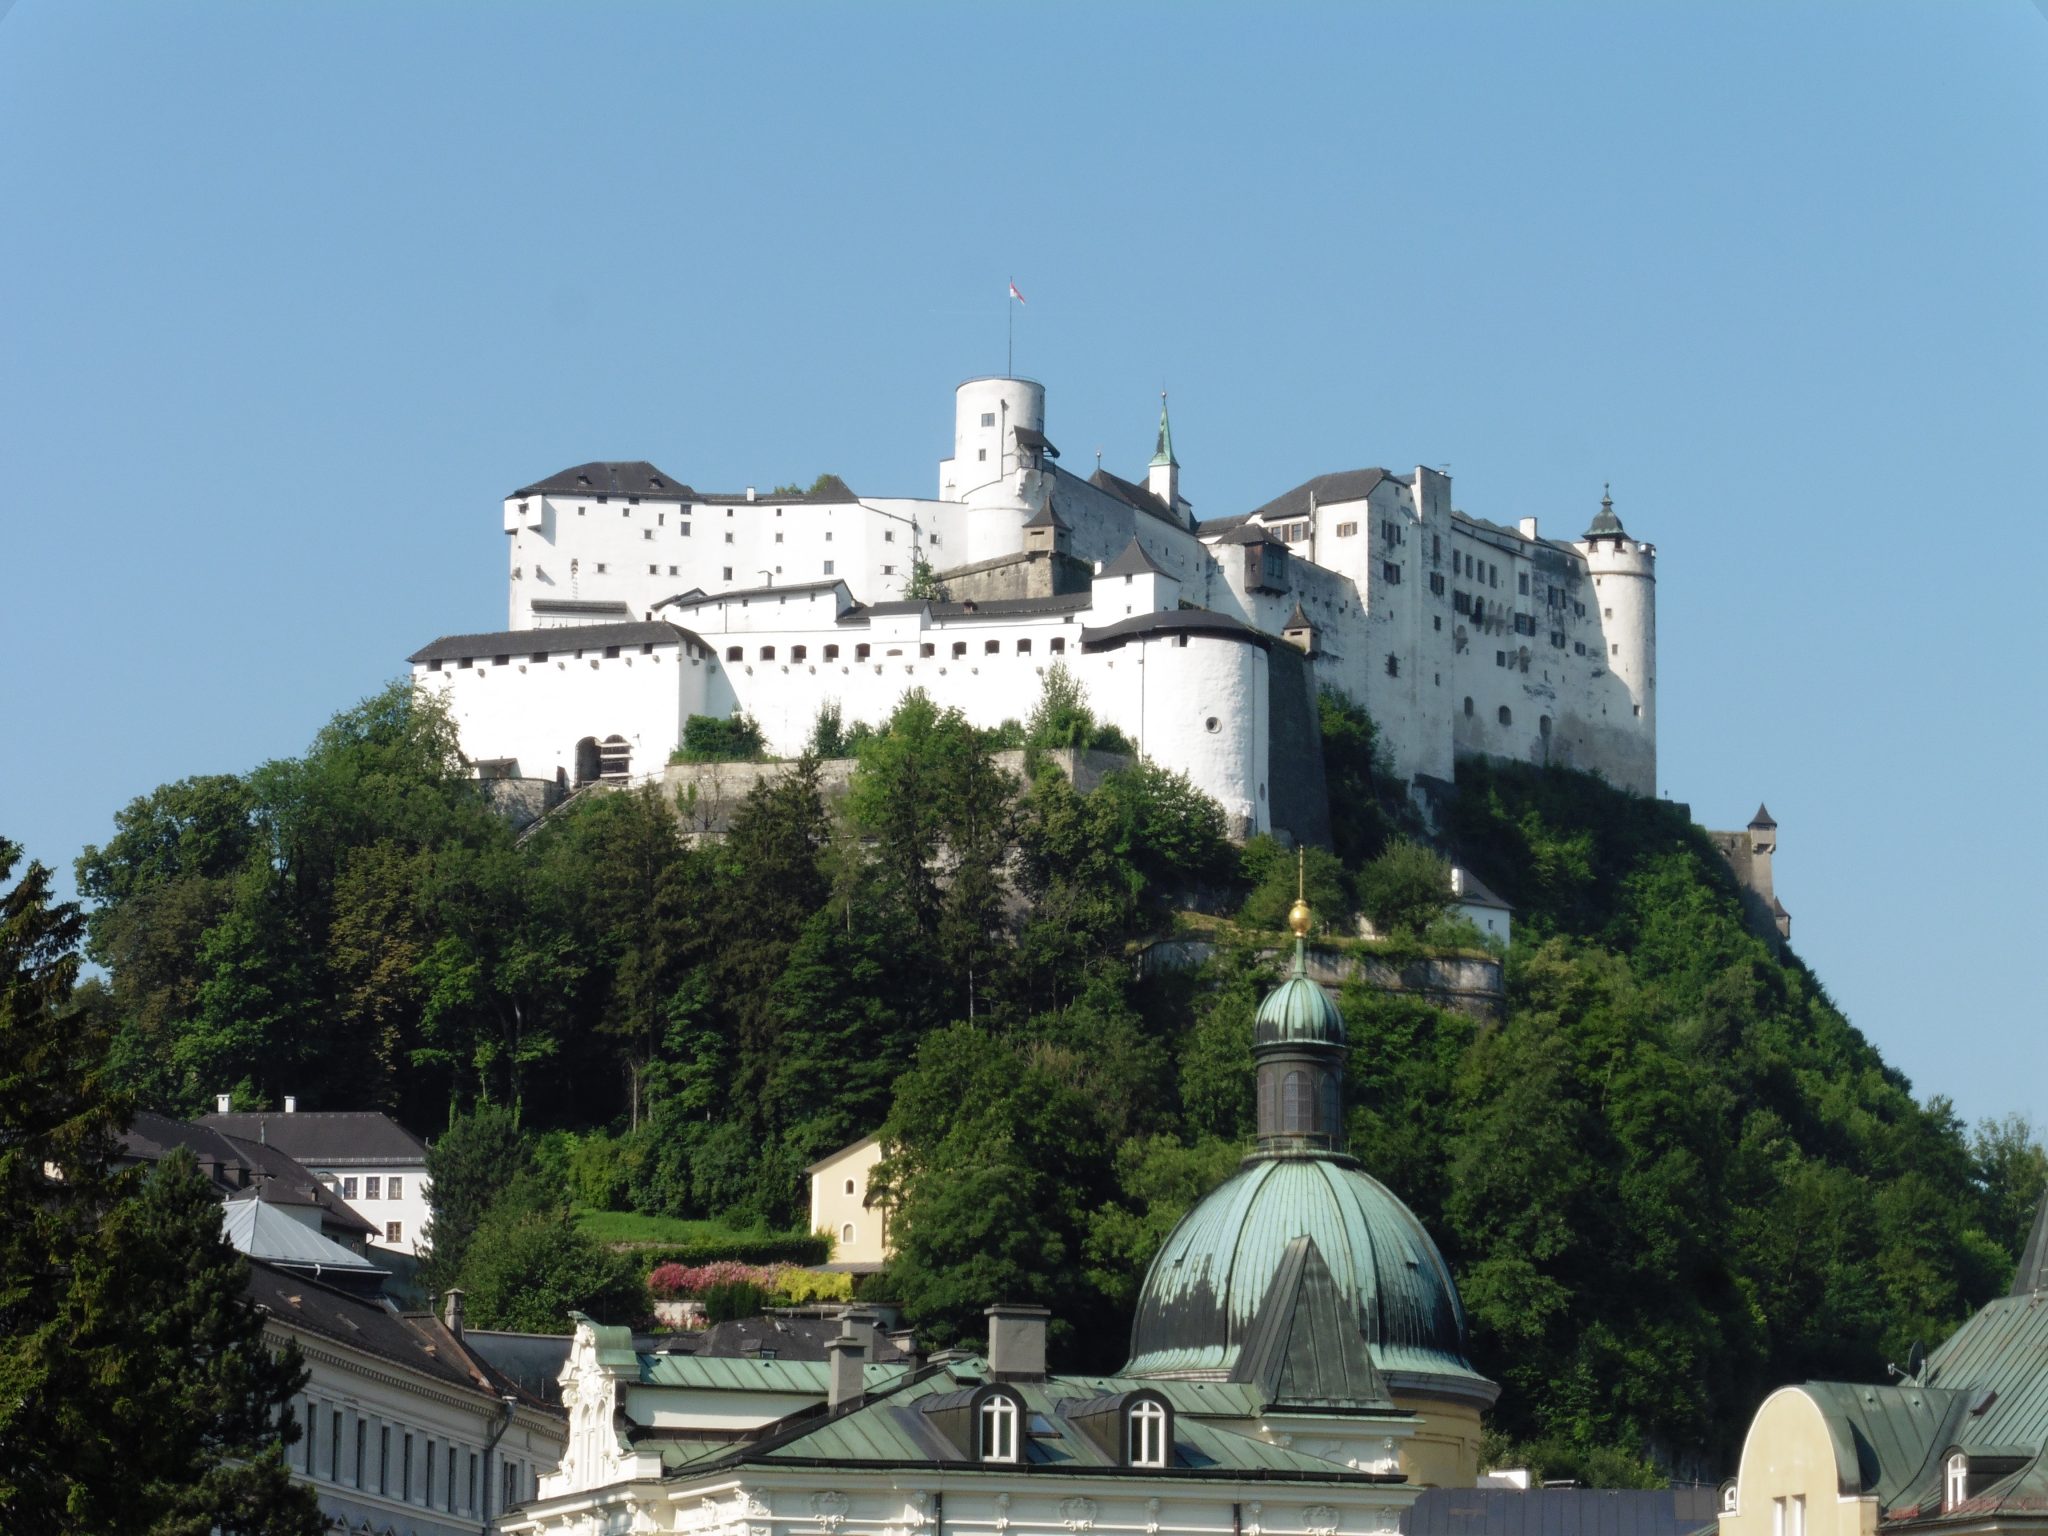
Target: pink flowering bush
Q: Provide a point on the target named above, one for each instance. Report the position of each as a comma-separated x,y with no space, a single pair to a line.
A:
670,1282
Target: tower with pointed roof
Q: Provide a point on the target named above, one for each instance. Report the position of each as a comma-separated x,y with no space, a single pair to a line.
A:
1303,1272
1624,572
1162,475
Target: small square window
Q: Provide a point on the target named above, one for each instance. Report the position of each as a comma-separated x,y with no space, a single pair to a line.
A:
394,1232
1058,645
798,652
778,535
831,653
728,574
370,1187
733,653
981,454
927,649
348,1189
646,533
888,535
602,568
988,418
654,570
394,1188
728,535
860,652
683,529
828,567
991,647
959,649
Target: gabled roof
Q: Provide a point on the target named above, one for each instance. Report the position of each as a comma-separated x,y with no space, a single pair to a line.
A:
611,477
852,1146
1242,531
1304,1348
521,643
243,1169
320,1138
1134,562
2032,1273
1031,437
1297,619
265,1232
1344,485
1134,496
1047,516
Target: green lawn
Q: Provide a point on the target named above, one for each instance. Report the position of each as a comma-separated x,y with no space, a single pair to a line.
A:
632,1227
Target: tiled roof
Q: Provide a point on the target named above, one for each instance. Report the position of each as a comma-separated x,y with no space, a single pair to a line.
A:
1561,1511
521,643
611,477
1177,621
327,1137
245,1168
1134,562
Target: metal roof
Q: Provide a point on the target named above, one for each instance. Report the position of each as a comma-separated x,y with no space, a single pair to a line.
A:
697,597
1344,485
531,642
1560,1512
1133,561
265,1232
1206,1285
1191,621
747,1373
1298,1011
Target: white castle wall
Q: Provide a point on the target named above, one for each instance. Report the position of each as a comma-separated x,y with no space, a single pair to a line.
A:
1443,625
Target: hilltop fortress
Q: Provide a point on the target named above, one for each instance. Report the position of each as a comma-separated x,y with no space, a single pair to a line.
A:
637,601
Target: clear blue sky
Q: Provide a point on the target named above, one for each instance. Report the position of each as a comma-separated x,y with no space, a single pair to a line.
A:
294,294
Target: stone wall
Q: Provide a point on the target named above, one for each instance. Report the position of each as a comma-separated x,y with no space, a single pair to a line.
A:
1038,573
1469,983
1300,802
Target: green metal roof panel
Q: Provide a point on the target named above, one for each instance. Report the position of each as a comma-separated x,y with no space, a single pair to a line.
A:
1885,1435
725,1373
1298,1011
1205,1287
2003,1347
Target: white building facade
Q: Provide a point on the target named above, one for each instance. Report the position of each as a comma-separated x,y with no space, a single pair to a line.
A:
374,1165
1460,635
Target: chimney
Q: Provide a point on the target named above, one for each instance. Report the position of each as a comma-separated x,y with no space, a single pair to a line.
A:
223,1102
862,1327
451,1303
845,1356
1528,526
906,1346
1016,1341
291,1105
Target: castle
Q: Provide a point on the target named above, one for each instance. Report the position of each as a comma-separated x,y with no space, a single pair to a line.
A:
637,601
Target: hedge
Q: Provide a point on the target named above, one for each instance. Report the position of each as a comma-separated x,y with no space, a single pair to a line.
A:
774,1248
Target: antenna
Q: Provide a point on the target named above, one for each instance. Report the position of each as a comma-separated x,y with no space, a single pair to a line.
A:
1301,873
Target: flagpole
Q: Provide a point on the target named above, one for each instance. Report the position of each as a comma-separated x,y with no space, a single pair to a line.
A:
1010,354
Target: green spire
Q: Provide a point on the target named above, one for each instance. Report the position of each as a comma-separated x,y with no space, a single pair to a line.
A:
1164,454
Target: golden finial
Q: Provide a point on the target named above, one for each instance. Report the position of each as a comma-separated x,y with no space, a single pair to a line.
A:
1297,915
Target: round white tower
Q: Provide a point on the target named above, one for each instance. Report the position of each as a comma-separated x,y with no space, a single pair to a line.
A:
1624,572
986,414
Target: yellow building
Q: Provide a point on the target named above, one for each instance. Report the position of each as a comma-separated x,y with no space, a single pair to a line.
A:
843,1209
1956,1443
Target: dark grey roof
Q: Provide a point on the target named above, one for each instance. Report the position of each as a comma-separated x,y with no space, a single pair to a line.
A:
1762,818
1047,516
830,489
1344,485
1604,521
565,637
244,1169
1560,1512
1243,531
791,1338
1031,437
1304,1347
611,477
1134,496
327,1137
533,1360
1134,562
594,606
696,597
1178,621
1298,619
1477,893
975,608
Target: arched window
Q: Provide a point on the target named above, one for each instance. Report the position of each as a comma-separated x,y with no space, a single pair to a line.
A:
1507,716
1147,1434
1468,706
1956,1484
849,1186
1296,1108
998,1427
767,653
846,1233
734,652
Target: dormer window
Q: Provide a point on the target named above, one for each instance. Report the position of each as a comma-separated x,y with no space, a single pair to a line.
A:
1956,1481
996,1428
1145,1432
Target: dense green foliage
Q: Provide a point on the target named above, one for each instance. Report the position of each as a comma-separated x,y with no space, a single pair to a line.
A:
719,739
136,1389
1670,1176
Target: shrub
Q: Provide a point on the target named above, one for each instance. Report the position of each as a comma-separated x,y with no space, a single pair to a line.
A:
708,739
733,1299
1270,870
802,1248
1405,889
828,731
527,1270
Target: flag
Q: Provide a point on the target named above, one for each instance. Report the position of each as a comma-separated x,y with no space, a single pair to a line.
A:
1014,293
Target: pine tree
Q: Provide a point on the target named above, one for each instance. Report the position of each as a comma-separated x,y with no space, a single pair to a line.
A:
136,1389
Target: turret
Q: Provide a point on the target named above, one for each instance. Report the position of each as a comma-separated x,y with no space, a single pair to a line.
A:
1624,572
1162,476
1298,1047
986,416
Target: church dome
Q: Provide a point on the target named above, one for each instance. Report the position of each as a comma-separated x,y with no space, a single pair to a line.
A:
1298,1012
1206,1287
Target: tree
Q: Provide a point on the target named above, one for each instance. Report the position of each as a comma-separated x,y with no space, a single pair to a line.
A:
526,1270
1405,889
924,585
136,1390
469,1167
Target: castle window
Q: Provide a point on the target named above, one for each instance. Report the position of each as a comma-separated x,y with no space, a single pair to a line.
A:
579,511
1436,582
611,653
728,535
371,1185
733,653
831,653
1147,1435
467,661
981,455
1524,580
1346,530
934,538
998,1426
1637,708
602,568
959,649
828,535
849,1186
1057,645
1507,716
1023,647
778,535
538,656
1393,665
988,418
1956,1486
767,653
434,665
888,535
888,570
991,647
927,649
860,652
646,533
1181,641
728,574
393,1231
1391,572
647,649
683,529
1212,725
1468,706
654,570
1607,612
1500,658
1543,725
1613,650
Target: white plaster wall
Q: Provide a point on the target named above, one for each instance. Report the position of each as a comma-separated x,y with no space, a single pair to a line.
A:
984,454
411,1210
536,711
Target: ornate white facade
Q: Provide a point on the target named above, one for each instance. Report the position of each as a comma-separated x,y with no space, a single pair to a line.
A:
1460,635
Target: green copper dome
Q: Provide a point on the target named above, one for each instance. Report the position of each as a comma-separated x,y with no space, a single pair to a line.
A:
1298,1011
1206,1287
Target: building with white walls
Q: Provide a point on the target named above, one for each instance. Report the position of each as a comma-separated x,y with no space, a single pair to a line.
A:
376,1167
1460,635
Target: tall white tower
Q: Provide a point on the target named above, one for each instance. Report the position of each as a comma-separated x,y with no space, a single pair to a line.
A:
1624,572
986,415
